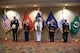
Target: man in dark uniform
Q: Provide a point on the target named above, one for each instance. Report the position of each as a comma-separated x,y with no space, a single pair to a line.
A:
51,30
26,30
65,27
14,25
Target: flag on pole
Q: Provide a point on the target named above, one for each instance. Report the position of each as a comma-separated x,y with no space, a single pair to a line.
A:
26,17
5,22
39,16
50,17
61,21
75,25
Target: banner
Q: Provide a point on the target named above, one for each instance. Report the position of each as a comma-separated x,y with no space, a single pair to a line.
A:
39,16
5,22
50,17
75,25
26,17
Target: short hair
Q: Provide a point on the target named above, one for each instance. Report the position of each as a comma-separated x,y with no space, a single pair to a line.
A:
14,16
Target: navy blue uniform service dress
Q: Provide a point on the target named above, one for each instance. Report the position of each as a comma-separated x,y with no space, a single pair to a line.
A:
26,31
65,31
14,25
51,32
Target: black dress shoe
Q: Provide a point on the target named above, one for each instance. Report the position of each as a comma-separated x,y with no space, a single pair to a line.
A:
51,41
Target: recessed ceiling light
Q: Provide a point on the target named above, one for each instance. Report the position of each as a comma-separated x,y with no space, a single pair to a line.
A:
66,4
35,5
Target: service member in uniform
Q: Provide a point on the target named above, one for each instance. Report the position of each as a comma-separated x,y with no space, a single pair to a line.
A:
38,29
14,25
51,30
26,30
65,27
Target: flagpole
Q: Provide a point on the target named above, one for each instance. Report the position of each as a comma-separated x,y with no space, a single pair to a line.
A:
6,36
76,39
5,32
56,29
63,18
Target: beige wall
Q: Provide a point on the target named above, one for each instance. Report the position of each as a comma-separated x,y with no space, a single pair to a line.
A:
70,13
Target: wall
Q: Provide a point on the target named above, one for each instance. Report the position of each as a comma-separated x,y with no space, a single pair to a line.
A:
70,13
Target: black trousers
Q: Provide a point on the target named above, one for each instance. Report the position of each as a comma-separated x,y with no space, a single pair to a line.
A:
15,34
51,34
26,35
65,36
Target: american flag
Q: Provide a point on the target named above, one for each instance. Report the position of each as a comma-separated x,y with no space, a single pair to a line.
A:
5,22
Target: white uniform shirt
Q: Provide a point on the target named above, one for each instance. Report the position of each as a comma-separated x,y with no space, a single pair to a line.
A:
38,24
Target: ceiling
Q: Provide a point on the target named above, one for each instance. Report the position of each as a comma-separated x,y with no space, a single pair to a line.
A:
39,3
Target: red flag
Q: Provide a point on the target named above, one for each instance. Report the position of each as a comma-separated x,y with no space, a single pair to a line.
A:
26,17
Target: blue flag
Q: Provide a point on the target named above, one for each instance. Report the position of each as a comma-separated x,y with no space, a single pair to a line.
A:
50,17
39,16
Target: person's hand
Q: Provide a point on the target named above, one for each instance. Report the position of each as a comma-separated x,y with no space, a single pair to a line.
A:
67,30
51,30
37,30
64,30
24,30
27,30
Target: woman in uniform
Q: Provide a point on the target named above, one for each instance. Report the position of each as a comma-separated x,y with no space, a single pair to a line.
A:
26,30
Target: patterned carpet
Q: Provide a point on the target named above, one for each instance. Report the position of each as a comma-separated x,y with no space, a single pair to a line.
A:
32,46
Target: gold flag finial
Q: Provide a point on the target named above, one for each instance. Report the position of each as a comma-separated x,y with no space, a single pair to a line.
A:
51,9
38,9
5,11
63,9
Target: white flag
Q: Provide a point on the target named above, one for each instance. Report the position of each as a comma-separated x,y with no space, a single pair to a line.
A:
61,21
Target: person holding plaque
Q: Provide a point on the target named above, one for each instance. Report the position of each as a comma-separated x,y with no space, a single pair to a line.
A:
65,27
26,30
51,30
38,29
14,24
